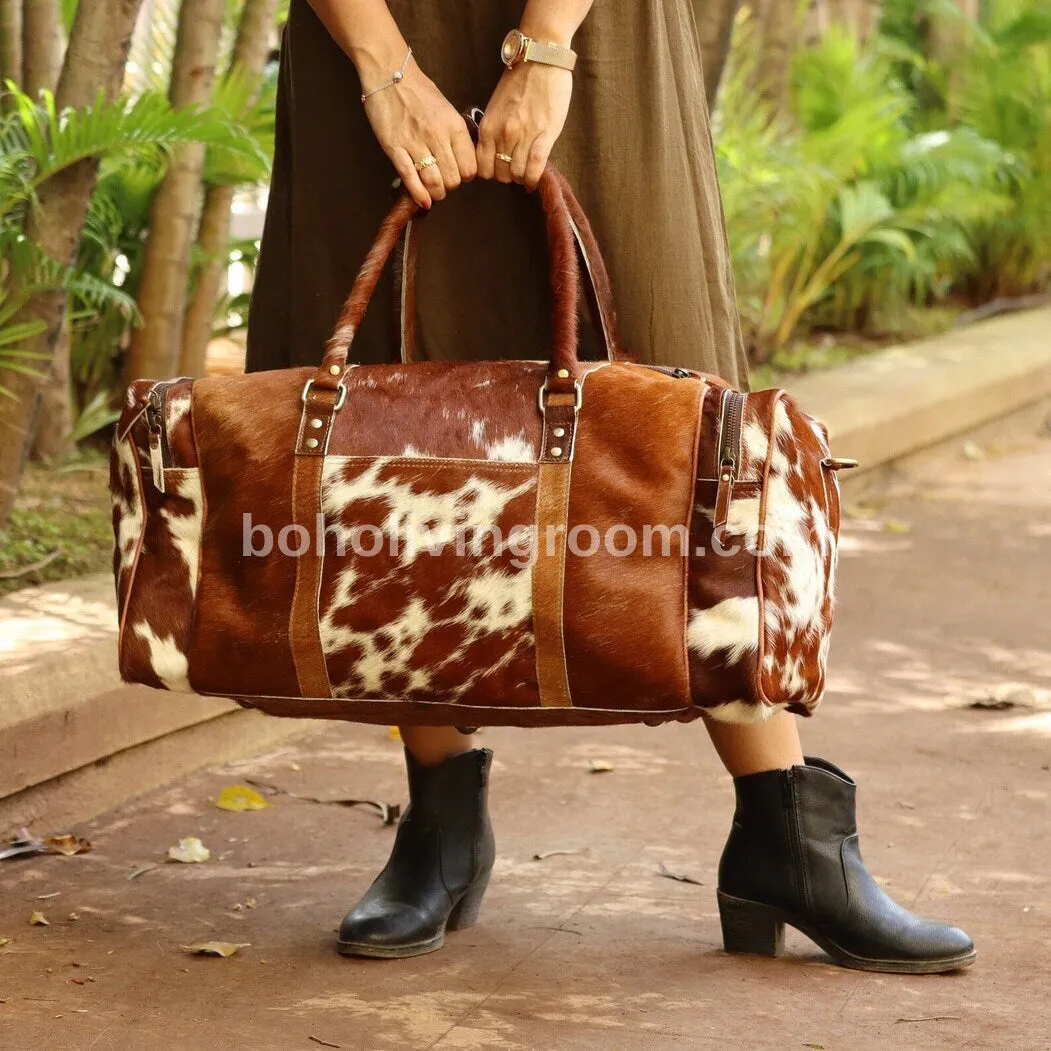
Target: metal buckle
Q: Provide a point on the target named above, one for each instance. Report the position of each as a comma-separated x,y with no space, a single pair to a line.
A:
340,401
578,397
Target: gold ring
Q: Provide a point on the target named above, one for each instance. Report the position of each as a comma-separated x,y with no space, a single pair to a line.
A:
505,157
426,162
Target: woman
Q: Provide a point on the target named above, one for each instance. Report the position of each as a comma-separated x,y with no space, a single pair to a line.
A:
358,108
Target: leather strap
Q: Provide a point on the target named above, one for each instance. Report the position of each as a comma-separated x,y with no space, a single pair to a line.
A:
549,567
564,224
597,288
315,427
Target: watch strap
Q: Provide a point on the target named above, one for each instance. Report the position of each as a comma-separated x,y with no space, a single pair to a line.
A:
549,54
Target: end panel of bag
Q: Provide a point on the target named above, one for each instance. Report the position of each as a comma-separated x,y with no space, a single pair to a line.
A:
798,565
723,615
157,574
630,503
245,428
126,498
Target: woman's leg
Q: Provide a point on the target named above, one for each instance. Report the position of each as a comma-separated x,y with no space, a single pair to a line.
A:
430,745
750,748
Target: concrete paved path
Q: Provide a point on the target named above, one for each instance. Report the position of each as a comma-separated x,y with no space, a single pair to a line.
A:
593,949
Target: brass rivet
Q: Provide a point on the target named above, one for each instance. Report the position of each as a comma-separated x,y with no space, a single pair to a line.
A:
317,423
312,443
563,374
559,432
556,451
334,369
725,477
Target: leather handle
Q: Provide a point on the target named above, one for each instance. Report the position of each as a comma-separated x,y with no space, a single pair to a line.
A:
597,287
564,275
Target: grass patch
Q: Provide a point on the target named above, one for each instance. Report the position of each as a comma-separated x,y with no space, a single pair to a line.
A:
61,508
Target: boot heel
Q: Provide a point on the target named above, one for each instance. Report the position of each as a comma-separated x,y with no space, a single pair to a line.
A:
465,912
749,927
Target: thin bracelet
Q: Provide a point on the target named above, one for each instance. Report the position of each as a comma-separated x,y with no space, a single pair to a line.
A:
396,79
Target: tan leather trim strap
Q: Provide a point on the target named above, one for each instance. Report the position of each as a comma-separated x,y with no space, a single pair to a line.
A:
315,426
549,568
303,636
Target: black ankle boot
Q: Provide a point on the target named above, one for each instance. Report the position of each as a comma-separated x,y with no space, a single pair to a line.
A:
793,857
439,867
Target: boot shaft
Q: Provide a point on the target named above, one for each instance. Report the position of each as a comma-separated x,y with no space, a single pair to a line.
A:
787,840
449,802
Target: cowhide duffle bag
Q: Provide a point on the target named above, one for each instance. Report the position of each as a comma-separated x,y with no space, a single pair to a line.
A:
477,543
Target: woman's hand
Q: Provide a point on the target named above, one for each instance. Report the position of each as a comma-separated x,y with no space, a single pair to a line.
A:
523,120
413,120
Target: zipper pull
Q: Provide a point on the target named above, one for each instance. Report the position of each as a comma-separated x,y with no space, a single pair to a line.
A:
155,422
157,461
727,476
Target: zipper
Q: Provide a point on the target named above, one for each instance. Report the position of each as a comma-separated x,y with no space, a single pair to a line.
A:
798,872
681,374
730,427
160,452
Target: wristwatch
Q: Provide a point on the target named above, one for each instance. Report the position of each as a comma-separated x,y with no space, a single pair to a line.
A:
517,47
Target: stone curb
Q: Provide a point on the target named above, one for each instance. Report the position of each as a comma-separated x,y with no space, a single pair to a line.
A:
903,399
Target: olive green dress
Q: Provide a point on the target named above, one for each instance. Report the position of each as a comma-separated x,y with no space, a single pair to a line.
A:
637,149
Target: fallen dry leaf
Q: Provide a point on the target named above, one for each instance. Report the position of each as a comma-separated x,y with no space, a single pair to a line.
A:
600,766
895,525
189,851
223,949
972,451
239,798
74,916
682,877
138,872
38,919
250,903
323,1043
67,845
554,853
1005,696
4,941
27,844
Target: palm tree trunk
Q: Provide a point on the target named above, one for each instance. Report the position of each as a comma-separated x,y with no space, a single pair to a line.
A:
945,36
42,61
945,39
251,49
778,24
715,23
862,17
41,45
11,40
176,205
98,49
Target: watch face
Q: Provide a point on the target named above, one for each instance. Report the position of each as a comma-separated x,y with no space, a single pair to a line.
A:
512,47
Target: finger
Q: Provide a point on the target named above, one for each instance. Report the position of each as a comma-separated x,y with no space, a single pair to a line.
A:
503,165
463,150
536,161
486,151
449,165
431,176
517,167
410,179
